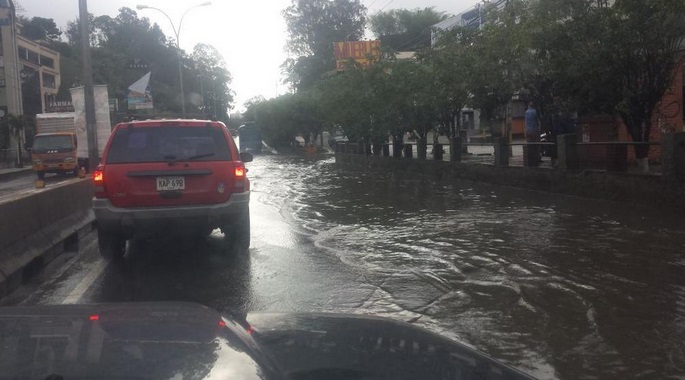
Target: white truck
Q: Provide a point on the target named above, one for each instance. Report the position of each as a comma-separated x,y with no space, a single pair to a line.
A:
61,141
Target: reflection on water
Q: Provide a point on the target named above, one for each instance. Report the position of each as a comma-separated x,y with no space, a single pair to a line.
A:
559,286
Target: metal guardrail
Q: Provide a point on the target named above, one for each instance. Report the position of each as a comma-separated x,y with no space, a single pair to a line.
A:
627,143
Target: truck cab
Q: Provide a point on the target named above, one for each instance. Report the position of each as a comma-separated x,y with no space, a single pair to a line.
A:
54,153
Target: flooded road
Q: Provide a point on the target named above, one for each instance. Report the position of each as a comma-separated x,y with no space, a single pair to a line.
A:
559,287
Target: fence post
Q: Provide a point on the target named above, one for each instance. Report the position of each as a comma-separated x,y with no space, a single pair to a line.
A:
438,152
501,151
673,158
397,148
408,153
386,150
617,158
567,151
456,148
464,136
531,155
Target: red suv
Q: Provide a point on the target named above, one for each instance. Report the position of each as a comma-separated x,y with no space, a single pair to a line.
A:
170,177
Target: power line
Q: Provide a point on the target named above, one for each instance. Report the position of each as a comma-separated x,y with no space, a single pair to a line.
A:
372,3
386,5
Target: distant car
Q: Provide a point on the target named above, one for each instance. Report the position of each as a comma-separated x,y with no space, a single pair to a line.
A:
170,177
250,138
337,137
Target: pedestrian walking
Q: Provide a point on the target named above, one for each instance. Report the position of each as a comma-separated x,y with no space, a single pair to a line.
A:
532,132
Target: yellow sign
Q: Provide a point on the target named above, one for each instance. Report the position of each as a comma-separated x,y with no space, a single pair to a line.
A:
363,53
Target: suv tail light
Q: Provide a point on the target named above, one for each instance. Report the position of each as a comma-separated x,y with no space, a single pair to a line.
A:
241,184
99,182
239,172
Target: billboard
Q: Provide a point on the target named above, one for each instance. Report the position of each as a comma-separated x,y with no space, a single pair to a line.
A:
139,95
364,53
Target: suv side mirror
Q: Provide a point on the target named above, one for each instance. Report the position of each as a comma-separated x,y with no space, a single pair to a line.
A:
246,157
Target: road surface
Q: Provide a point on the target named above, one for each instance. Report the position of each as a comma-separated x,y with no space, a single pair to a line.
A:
560,287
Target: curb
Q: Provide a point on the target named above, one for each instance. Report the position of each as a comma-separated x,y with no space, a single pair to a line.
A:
40,248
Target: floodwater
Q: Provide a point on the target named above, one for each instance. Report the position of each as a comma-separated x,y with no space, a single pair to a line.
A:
560,287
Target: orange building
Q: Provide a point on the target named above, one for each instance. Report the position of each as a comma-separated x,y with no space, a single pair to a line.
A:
668,117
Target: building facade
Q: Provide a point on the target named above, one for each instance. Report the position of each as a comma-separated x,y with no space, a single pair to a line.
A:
41,64
10,68
27,62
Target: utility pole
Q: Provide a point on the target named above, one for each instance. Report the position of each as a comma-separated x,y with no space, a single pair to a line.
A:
177,32
89,97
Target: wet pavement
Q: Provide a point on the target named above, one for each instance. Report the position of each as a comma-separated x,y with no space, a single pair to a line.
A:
560,287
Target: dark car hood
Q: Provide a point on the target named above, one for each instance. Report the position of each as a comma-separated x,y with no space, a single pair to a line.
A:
132,340
190,341
337,347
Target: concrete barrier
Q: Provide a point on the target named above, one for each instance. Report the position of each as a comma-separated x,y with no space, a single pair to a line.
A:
37,224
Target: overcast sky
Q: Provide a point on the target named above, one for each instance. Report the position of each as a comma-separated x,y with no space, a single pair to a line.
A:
250,34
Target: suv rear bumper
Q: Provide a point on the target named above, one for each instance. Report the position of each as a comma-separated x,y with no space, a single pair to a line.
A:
155,220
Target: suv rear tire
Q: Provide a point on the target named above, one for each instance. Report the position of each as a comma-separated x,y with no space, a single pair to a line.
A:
112,246
237,231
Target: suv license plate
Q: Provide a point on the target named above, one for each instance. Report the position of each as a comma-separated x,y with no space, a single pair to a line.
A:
171,183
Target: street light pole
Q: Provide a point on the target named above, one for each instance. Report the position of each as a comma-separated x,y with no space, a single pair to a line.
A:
177,33
88,95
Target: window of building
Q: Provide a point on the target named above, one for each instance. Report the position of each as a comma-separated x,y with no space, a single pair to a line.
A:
33,57
22,53
49,81
47,61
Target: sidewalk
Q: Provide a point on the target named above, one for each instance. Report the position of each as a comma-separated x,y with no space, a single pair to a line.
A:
7,174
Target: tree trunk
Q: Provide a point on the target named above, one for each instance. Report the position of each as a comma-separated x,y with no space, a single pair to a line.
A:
397,147
639,132
421,147
377,148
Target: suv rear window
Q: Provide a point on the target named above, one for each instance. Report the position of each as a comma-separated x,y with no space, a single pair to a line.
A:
161,144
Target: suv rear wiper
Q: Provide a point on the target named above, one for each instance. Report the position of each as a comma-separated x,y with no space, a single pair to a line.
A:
173,159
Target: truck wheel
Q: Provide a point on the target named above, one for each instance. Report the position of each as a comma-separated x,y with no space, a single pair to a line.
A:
237,232
41,175
112,246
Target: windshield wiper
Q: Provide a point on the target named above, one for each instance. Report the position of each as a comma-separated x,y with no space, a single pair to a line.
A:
171,159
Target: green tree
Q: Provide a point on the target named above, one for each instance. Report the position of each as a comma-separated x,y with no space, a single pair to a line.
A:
405,29
648,39
313,26
40,29
15,124
213,81
618,59
500,64
452,65
117,42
